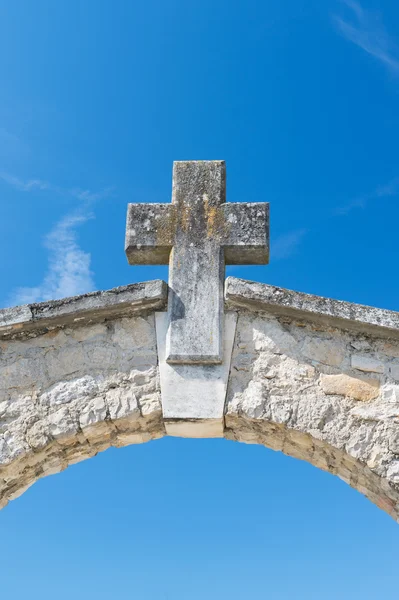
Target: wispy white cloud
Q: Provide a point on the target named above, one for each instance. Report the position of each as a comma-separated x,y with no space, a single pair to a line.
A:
25,185
389,189
69,272
384,191
88,196
287,244
30,185
368,32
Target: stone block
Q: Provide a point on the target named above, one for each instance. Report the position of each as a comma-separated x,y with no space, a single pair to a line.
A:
390,393
352,387
193,396
394,371
368,364
327,352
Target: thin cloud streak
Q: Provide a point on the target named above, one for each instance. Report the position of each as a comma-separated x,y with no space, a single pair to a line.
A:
390,189
25,186
68,272
287,244
369,34
385,191
88,196
31,185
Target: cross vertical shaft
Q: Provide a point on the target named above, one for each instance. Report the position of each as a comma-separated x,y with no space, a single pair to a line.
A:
197,264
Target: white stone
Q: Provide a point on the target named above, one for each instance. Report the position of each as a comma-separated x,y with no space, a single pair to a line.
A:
67,395
22,373
94,411
194,393
102,356
393,471
361,442
122,403
390,393
366,363
360,344
62,362
270,335
84,334
66,391
394,371
327,352
61,423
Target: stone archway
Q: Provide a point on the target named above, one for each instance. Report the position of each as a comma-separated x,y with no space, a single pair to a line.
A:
316,379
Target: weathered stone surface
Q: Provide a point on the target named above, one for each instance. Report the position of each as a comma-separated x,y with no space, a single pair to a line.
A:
367,364
15,317
193,396
196,273
390,393
330,415
313,309
352,387
90,308
394,371
324,351
293,385
204,232
56,411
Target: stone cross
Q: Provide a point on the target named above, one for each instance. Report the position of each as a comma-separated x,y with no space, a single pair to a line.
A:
197,234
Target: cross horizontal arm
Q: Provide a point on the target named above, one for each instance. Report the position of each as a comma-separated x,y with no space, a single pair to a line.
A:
246,238
150,233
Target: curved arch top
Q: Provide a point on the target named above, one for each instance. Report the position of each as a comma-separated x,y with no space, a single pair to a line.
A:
313,378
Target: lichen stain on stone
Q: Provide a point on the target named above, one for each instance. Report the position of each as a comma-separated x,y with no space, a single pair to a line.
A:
166,228
184,216
216,224
51,334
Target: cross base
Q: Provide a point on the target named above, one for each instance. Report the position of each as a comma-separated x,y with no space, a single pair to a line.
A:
193,396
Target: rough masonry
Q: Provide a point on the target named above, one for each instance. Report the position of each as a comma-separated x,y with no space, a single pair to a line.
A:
314,378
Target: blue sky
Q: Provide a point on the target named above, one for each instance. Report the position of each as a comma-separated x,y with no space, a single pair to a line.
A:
97,99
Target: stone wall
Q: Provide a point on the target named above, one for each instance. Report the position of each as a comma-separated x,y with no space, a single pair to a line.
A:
70,393
320,394
323,393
